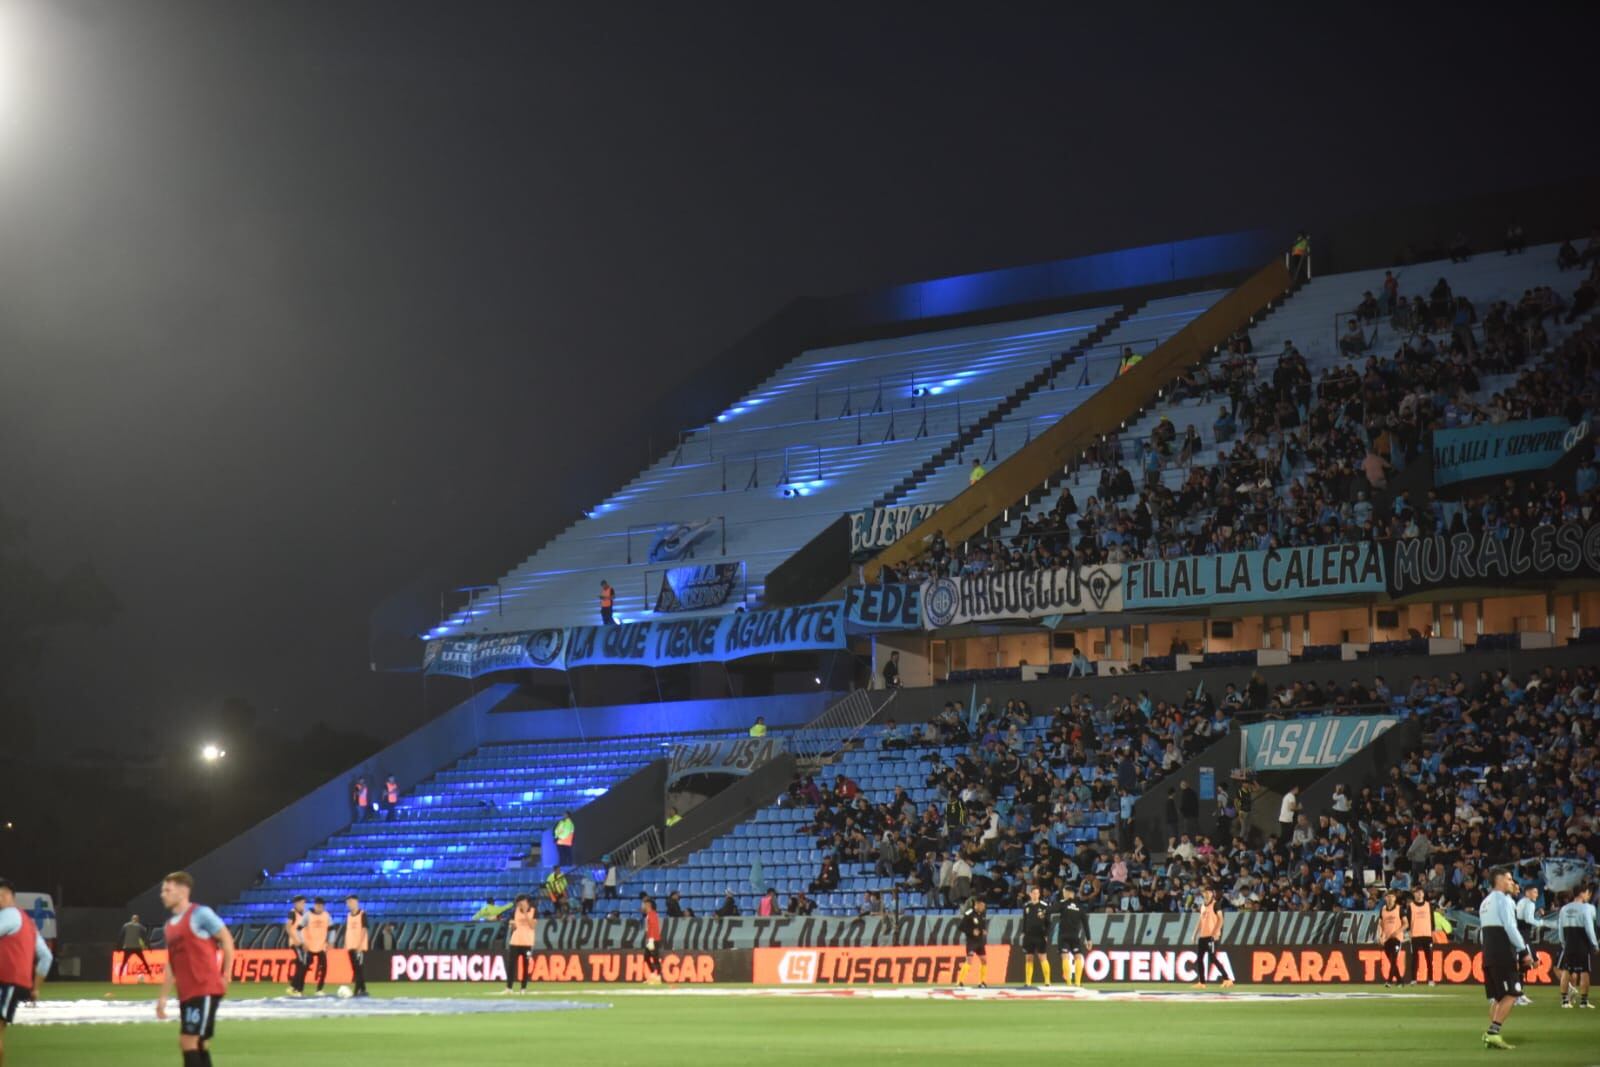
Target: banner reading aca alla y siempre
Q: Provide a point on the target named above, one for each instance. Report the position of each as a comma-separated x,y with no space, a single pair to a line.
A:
1495,451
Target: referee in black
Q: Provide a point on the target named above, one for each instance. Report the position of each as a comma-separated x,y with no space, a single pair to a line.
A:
1035,936
1072,935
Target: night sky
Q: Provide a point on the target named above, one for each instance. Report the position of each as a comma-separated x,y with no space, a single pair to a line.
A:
299,299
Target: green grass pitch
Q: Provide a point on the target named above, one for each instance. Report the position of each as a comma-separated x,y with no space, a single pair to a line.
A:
710,1031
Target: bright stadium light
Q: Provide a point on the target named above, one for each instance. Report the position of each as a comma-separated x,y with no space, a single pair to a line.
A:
211,752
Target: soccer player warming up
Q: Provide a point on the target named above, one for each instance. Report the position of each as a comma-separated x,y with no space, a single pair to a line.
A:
194,934
294,932
519,941
24,959
1579,942
1035,936
1420,912
1207,934
1505,954
357,942
317,924
652,940
975,928
1391,934
1072,936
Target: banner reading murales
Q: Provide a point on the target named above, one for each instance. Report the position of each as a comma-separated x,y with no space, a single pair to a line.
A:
698,588
1543,553
1490,451
1310,744
735,756
882,527
1021,595
894,606
1238,577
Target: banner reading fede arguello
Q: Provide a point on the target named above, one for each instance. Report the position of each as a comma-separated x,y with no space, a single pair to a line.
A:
1517,554
1240,577
882,527
888,606
1021,595
1310,744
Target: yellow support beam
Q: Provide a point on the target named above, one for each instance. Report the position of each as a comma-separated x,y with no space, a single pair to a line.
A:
1063,443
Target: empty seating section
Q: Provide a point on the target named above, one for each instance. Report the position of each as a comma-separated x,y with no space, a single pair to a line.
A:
1147,328
458,837
1312,319
838,425
788,857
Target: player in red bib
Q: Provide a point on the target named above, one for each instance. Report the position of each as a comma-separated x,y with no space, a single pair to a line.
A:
652,940
24,959
194,935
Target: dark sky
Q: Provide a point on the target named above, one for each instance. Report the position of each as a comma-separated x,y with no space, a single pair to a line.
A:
292,294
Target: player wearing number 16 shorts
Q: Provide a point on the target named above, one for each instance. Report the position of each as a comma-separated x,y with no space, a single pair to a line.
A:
195,936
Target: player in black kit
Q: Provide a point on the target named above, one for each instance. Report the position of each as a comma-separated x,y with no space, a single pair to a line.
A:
1035,936
975,929
1072,935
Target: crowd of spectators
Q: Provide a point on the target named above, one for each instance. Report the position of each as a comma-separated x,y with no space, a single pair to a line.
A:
1507,773
1303,460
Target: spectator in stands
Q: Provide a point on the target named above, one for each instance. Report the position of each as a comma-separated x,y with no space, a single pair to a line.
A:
674,817
893,738
1079,667
1516,239
872,903
1288,811
977,473
675,909
891,671
1354,342
1300,257
1582,300
1224,427
1130,360
759,729
1189,807
555,891
565,833
729,908
827,879
768,905
490,911
800,904
608,601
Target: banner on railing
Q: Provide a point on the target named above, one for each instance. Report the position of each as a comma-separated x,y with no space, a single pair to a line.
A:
734,756
1021,595
674,541
1310,744
894,606
1496,451
663,643
698,588
1270,574
882,527
1544,553
451,657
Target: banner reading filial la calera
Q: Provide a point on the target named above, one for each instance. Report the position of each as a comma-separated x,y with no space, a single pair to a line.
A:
1021,595
1489,451
1240,577
1310,744
1543,553
710,585
882,527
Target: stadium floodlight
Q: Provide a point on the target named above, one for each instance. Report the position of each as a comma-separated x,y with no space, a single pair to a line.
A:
211,753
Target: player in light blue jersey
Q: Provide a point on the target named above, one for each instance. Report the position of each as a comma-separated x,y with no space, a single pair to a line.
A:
1579,942
1505,954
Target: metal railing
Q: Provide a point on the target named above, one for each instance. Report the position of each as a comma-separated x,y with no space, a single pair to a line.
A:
832,731
639,851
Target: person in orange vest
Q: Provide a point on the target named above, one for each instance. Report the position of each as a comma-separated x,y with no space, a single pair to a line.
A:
24,958
519,941
293,928
1391,935
357,941
565,831
317,924
359,798
608,600
391,796
1420,916
1207,934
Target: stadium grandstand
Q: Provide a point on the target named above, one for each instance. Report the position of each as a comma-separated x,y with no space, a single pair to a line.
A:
1126,541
